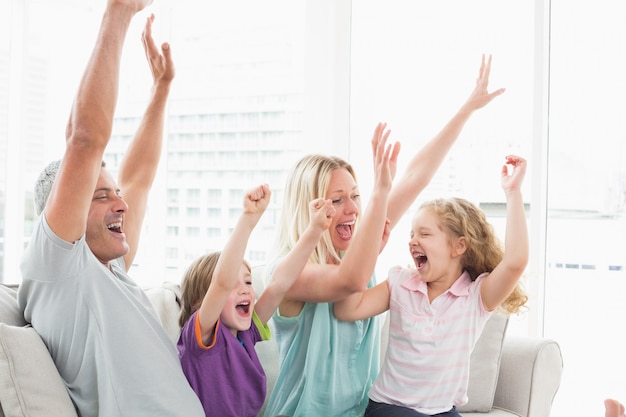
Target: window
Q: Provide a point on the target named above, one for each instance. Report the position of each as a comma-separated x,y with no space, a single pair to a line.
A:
213,232
192,231
215,196
585,278
214,214
193,212
193,196
173,195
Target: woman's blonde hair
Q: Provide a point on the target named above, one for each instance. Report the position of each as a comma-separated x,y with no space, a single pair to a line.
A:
484,251
308,179
195,284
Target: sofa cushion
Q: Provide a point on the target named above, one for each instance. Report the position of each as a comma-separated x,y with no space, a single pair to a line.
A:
485,365
29,382
9,313
166,301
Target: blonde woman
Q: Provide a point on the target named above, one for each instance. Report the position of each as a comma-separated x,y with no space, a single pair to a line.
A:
327,366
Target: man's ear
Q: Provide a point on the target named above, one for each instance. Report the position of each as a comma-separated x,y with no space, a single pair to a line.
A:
460,246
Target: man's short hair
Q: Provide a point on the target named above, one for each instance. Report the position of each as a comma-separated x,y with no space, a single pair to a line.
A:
43,185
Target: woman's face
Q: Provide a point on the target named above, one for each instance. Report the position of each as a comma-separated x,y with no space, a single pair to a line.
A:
344,193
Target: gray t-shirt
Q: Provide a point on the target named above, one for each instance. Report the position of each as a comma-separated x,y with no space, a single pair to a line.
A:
102,332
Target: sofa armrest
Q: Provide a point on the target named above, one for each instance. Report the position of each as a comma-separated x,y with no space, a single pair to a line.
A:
530,375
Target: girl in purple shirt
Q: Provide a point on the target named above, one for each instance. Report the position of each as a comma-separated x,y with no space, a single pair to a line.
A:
219,307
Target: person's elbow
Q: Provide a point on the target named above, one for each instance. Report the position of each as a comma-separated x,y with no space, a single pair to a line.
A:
349,289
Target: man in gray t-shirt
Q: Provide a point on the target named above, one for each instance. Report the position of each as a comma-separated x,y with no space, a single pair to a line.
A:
100,328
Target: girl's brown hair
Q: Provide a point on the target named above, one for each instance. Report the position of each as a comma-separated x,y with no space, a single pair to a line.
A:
195,285
459,217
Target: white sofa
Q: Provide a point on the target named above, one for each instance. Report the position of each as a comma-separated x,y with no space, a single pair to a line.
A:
510,376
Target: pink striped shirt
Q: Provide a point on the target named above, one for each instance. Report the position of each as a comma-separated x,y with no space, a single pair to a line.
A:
426,366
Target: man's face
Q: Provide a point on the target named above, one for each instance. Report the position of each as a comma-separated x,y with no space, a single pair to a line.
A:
105,222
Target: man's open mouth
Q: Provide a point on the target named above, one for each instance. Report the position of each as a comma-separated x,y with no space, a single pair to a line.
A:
115,227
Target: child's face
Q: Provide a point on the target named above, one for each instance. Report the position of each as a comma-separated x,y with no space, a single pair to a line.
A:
430,247
237,312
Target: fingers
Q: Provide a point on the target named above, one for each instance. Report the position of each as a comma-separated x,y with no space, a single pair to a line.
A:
149,46
481,70
504,171
395,152
321,212
146,35
382,149
167,53
613,408
512,177
324,205
480,96
159,60
259,193
379,138
496,93
516,161
487,68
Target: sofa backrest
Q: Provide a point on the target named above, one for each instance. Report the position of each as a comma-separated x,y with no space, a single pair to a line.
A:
485,361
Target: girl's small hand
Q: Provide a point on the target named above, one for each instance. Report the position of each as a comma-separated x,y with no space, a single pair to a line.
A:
513,172
480,97
257,199
321,213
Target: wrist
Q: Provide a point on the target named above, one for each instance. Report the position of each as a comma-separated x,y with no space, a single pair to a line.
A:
162,85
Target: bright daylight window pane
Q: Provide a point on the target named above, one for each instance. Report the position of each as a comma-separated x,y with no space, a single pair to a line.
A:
586,265
413,66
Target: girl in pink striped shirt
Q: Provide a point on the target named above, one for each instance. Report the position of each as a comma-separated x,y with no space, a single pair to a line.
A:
439,308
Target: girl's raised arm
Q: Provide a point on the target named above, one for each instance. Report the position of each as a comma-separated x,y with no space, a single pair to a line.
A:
229,264
503,279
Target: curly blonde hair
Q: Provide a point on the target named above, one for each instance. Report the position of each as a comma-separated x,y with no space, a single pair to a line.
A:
459,217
